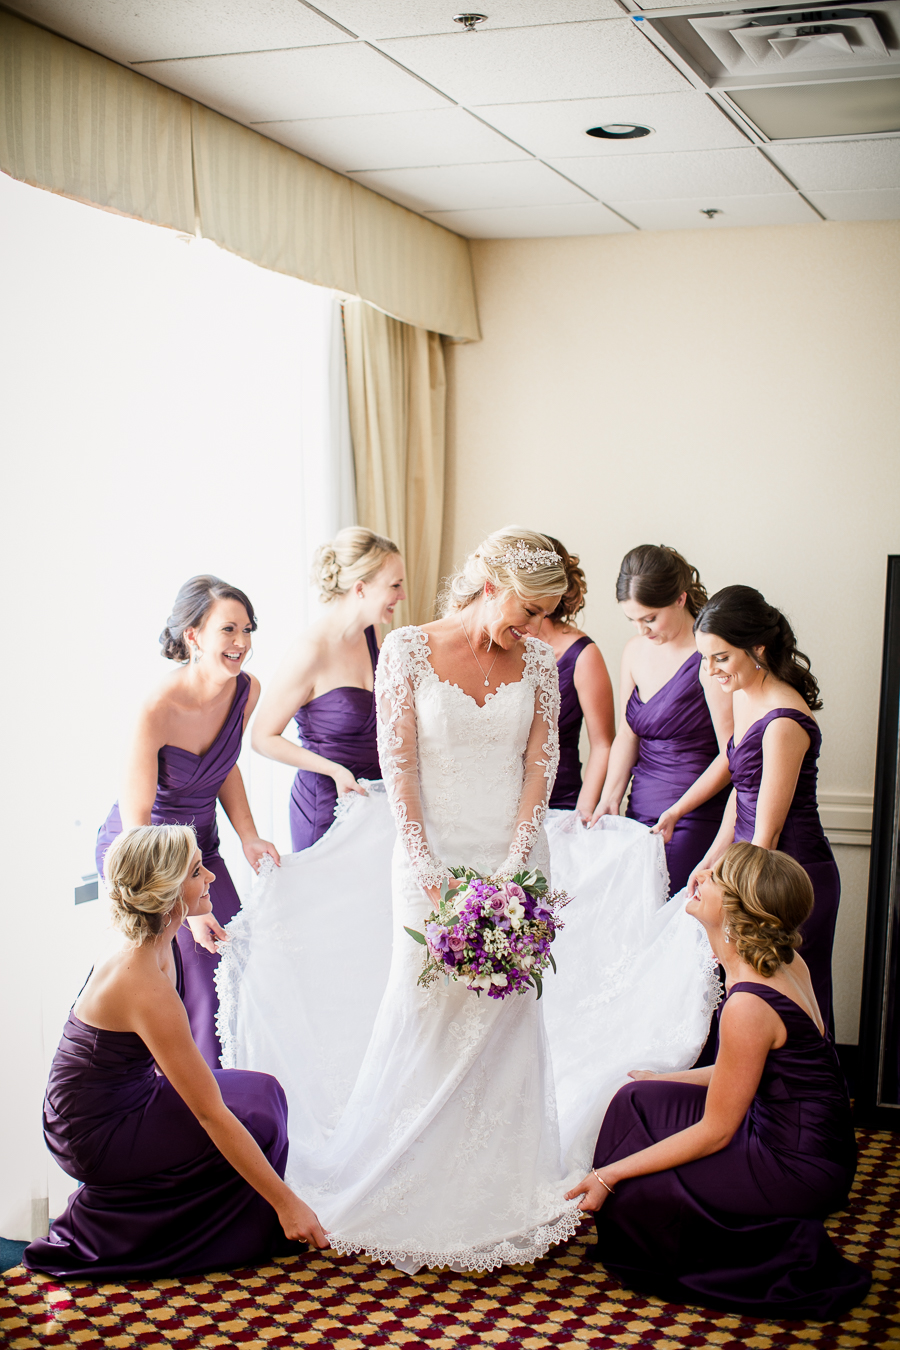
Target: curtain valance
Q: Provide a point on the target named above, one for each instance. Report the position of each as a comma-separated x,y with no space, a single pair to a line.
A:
81,125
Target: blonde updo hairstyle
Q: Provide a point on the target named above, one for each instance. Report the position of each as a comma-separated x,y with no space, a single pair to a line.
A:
146,868
767,896
495,561
355,554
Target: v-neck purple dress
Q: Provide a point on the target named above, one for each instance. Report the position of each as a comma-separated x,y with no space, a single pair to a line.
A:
802,837
158,1197
678,744
339,725
187,788
568,778
741,1229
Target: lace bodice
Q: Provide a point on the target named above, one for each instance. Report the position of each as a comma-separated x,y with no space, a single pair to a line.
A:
468,783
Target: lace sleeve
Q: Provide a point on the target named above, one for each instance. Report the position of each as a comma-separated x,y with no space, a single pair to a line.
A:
541,754
398,664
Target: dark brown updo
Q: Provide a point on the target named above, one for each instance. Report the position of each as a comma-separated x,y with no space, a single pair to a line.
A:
767,896
572,602
655,575
742,618
192,604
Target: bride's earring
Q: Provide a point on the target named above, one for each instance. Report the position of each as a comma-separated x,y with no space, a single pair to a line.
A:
726,932
195,653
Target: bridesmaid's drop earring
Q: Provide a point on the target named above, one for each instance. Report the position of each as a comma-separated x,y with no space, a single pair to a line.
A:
197,653
726,931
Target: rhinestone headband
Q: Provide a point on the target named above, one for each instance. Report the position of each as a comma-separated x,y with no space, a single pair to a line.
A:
521,558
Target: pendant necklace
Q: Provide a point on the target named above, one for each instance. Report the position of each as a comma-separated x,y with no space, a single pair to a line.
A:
487,677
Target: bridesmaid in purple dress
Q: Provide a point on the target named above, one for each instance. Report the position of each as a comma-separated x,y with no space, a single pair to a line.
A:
671,742
712,1184
184,758
750,649
327,681
181,1169
585,696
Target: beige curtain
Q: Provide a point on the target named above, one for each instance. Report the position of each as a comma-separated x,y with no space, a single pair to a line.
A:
80,125
76,123
397,389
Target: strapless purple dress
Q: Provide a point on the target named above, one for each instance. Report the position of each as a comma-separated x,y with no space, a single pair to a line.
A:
187,788
340,726
741,1229
678,744
568,777
802,837
158,1197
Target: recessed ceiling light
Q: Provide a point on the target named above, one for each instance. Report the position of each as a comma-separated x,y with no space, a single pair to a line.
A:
620,131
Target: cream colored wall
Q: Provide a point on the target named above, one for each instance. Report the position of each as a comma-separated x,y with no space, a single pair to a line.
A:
734,394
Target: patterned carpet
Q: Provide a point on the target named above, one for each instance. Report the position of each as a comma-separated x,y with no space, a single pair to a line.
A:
563,1300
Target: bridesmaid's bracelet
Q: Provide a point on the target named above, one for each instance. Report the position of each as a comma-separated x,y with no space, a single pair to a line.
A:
602,1182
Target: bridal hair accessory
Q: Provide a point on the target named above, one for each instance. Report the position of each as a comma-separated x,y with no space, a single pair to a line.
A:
487,677
492,935
520,557
602,1182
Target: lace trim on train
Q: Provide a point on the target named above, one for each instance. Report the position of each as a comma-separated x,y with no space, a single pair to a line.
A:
233,956
530,1247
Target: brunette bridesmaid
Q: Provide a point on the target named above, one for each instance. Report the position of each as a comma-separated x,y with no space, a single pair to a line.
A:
712,1184
327,681
672,739
585,696
181,1167
184,758
749,648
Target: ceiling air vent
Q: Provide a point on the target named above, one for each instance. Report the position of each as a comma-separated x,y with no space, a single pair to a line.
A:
797,73
781,41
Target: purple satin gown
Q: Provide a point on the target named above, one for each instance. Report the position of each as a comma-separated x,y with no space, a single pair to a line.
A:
802,837
678,744
339,725
741,1229
158,1197
568,777
187,788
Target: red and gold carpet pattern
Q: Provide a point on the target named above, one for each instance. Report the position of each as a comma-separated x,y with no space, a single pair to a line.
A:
564,1300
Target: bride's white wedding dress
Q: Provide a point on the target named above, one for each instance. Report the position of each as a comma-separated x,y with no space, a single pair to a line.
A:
433,1126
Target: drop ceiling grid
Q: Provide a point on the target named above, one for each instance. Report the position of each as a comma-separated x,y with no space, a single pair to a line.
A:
471,129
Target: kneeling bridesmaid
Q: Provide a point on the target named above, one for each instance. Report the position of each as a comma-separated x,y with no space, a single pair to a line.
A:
712,1184
181,1165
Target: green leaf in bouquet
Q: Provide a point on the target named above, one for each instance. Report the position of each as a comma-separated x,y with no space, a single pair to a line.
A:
419,937
538,982
552,962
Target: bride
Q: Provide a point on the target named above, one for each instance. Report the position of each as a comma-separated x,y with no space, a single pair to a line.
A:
426,1127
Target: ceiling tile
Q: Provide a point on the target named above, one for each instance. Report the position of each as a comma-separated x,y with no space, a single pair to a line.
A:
170,28
783,208
410,18
841,166
517,65
736,173
532,222
679,121
873,204
467,186
395,140
306,82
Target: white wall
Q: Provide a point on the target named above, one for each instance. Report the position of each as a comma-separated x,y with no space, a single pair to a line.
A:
166,409
734,394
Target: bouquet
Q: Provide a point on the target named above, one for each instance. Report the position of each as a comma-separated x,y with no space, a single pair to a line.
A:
493,935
